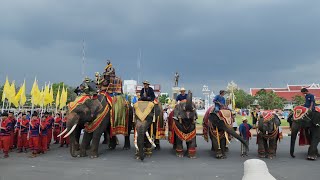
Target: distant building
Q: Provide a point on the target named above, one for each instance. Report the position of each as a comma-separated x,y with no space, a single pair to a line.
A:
129,87
289,92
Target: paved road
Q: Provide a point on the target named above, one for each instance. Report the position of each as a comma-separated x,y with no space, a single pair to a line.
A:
119,164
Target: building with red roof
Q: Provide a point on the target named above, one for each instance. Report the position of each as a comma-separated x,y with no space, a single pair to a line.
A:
291,91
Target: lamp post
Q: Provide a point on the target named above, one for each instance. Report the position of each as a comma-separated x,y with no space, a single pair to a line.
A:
206,93
212,95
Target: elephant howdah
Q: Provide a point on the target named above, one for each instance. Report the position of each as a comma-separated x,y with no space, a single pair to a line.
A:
219,126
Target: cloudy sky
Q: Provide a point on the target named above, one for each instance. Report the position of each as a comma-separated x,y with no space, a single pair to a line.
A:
253,42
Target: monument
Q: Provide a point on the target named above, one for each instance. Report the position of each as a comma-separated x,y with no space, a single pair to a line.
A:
175,88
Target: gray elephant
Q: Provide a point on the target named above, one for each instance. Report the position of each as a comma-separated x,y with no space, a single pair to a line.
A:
219,126
268,135
183,128
148,117
308,123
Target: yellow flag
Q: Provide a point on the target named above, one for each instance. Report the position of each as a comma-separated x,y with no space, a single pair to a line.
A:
23,98
63,98
12,94
46,95
58,98
41,98
35,93
5,89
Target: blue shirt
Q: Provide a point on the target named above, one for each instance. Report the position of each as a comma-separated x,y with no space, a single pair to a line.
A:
220,99
243,129
309,100
181,97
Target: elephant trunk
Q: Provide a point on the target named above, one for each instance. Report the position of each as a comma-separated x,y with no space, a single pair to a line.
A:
141,130
294,132
72,123
234,134
189,101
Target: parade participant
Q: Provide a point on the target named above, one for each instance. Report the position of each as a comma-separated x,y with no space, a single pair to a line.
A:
43,136
147,93
22,129
5,134
245,133
64,141
220,101
57,128
50,122
254,116
182,97
109,73
28,115
310,101
34,134
13,123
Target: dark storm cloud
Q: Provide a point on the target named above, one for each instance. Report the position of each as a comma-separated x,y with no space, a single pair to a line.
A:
254,43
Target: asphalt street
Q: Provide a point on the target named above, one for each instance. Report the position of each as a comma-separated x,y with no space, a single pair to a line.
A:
57,164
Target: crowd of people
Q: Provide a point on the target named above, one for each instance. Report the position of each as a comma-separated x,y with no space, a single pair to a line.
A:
31,132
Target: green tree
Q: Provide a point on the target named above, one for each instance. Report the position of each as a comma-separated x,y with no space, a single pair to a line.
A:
269,100
298,100
1,91
243,99
163,98
71,95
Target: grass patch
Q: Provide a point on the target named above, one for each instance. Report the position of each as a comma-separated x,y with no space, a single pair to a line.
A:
239,120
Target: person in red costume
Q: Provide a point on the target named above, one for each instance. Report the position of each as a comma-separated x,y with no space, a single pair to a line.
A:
49,121
34,134
22,132
57,128
5,134
43,137
64,141
14,121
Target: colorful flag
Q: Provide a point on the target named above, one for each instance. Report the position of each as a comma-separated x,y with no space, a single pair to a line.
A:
64,96
58,98
12,94
5,89
35,93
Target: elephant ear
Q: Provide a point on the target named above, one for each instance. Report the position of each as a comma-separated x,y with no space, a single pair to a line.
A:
316,119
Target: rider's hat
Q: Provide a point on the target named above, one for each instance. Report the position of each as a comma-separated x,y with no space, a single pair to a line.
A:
146,82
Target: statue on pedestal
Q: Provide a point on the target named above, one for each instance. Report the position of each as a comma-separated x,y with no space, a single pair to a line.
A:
176,79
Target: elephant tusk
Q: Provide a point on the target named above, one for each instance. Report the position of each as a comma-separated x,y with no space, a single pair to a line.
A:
150,140
63,132
72,129
135,139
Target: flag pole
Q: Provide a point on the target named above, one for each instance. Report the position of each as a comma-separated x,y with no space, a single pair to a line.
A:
3,94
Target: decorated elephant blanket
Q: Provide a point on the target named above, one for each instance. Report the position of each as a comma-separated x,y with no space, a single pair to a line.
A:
174,131
78,101
298,113
205,123
119,116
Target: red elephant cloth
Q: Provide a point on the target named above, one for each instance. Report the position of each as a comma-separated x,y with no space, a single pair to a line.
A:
303,138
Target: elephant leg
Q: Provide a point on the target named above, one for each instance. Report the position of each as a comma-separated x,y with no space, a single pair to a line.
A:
147,147
105,137
223,143
157,142
313,151
216,147
272,148
191,145
127,144
179,147
85,143
95,144
261,147
113,143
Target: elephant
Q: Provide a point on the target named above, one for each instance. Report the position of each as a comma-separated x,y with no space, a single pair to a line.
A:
308,123
183,127
268,135
219,126
147,117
